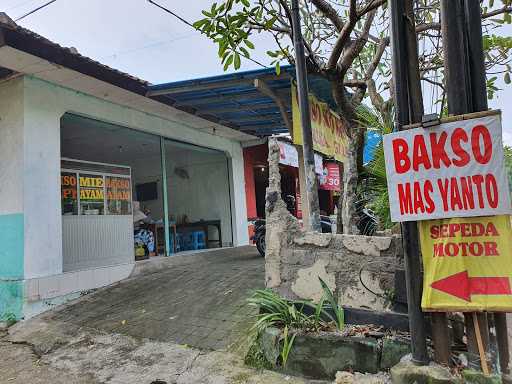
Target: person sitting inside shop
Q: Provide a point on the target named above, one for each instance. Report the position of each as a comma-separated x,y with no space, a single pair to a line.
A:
143,236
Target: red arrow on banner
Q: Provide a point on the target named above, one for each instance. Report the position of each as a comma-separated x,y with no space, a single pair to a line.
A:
462,286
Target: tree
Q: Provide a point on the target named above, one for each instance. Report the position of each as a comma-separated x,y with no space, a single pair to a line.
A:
347,43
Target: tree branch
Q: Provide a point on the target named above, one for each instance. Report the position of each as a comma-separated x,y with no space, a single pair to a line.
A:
371,6
329,12
344,36
356,48
496,12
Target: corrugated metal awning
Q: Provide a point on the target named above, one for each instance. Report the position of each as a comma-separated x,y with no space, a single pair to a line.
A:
235,101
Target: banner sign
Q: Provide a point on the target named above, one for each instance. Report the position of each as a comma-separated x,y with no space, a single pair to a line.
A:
330,179
467,264
452,170
328,129
289,156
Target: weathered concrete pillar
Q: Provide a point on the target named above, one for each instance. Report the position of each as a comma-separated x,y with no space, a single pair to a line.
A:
280,224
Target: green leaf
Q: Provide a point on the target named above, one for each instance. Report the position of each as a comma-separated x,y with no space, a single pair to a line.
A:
237,60
245,52
228,62
340,315
506,78
199,23
249,44
278,69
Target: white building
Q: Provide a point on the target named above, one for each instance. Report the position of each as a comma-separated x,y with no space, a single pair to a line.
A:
65,225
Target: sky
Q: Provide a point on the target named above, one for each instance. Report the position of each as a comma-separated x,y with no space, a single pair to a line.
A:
142,40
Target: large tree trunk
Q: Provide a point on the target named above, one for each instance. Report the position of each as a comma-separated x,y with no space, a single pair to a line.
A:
350,214
347,109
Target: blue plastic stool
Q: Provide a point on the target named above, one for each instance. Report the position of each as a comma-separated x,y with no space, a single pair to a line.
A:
198,240
179,242
187,241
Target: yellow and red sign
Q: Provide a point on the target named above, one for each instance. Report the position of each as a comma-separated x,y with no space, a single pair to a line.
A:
467,264
328,129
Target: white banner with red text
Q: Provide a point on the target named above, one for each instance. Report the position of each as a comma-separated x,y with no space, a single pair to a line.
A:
454,169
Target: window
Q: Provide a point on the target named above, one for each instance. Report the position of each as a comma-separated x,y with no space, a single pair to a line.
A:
92,196
69,198
119,196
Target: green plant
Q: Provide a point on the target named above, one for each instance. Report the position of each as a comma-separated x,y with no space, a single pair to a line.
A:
276,311
287,346
338,312
373,186
289,315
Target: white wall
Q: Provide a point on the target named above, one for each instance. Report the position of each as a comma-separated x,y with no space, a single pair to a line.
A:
11,145
42,205
205,195
45,103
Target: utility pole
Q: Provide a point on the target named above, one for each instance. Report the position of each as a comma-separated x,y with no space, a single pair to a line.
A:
311,198
458,79
461,26
409,109
479,103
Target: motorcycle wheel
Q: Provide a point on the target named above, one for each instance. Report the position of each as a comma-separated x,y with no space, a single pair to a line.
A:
260,244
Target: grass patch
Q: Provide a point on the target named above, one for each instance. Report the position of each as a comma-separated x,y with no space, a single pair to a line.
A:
255,357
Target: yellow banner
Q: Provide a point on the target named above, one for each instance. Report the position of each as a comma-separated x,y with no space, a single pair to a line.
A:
328,129
467,264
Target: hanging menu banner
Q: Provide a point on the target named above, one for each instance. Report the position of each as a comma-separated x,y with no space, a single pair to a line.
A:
328,129
452,170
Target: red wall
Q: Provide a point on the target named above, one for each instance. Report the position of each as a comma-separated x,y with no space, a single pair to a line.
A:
253,156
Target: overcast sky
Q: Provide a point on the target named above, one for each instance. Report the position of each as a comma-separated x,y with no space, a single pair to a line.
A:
136,37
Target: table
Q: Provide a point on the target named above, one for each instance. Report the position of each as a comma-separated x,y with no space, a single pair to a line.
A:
159,234
204,224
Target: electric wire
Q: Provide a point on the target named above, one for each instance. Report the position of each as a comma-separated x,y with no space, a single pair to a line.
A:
35,10
192,26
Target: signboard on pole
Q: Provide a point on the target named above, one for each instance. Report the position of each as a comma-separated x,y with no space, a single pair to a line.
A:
289,156
452,170
467,264
330,179
328,129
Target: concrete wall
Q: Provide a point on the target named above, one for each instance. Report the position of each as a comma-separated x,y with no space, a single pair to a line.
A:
30,217
11,198
295,259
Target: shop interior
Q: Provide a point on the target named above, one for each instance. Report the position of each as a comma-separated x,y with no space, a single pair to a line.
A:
197,181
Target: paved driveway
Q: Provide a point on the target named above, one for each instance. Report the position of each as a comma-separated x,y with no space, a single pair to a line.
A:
200,302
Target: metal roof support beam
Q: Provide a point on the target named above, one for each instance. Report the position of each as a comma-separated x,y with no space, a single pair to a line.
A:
242,108
238,98
199,85
262,127
283,108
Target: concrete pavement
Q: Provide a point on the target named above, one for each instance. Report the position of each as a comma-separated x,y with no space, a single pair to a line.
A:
145,329
199,301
